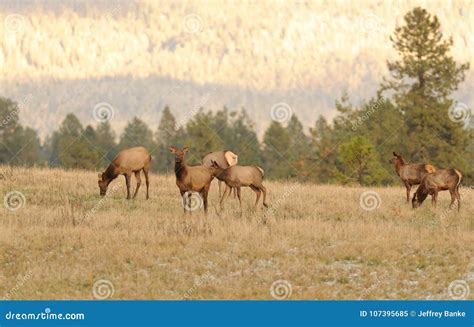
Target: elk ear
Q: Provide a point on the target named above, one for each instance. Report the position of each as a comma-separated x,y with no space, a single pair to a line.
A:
172,149
100,175
231,158
185,149
214,164
395,154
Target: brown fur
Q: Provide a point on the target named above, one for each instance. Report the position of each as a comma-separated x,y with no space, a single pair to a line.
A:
410,174
441,180
127,161
192,178
238,176
223,159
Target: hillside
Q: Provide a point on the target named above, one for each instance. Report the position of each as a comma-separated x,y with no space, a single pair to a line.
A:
138,56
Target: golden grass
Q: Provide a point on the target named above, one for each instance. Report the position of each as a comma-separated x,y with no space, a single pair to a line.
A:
316,237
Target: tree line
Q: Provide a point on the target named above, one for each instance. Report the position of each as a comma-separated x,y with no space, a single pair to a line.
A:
410,114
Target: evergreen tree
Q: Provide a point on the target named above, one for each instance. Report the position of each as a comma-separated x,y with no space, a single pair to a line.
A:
137,133
422,81
359,162
167,135
276,143
9,113
71,148
202,136
18,145
105,141
243,140
323,152
299,148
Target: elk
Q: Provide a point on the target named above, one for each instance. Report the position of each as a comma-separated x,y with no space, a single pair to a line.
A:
410,174
127,161
238,176
224,159
192,178
441,180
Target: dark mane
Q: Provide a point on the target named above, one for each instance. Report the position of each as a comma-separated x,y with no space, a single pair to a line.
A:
109,173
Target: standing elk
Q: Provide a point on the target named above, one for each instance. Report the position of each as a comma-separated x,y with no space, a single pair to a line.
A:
192,178
238,176
127,161
441,180
410,174
224,159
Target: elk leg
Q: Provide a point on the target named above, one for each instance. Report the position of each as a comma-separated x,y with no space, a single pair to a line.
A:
264,190
204,194
226,192
145,171
408,186
127,183
139,182
257,192
184,199
453,198
238,195
458,197
435,197
219,184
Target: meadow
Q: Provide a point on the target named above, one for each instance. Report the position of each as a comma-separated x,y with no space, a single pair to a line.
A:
60,240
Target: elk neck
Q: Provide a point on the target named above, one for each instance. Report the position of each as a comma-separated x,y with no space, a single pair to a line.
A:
179,168
398,164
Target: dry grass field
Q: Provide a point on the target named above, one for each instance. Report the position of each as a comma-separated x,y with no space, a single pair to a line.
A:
63,239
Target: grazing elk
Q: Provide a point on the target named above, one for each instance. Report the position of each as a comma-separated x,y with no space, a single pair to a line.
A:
410,174
441,180
127,161
224,159
238,176
192,178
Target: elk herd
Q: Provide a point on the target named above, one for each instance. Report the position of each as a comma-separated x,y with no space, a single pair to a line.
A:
222,165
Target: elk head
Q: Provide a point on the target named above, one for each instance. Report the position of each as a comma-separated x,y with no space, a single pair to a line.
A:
178,153
103,184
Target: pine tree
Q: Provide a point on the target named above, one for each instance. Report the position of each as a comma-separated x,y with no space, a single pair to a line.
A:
105,141
422,80
71,149
276,143
167,135
299,148
243,139
358,162
137,133
9,113
202,136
